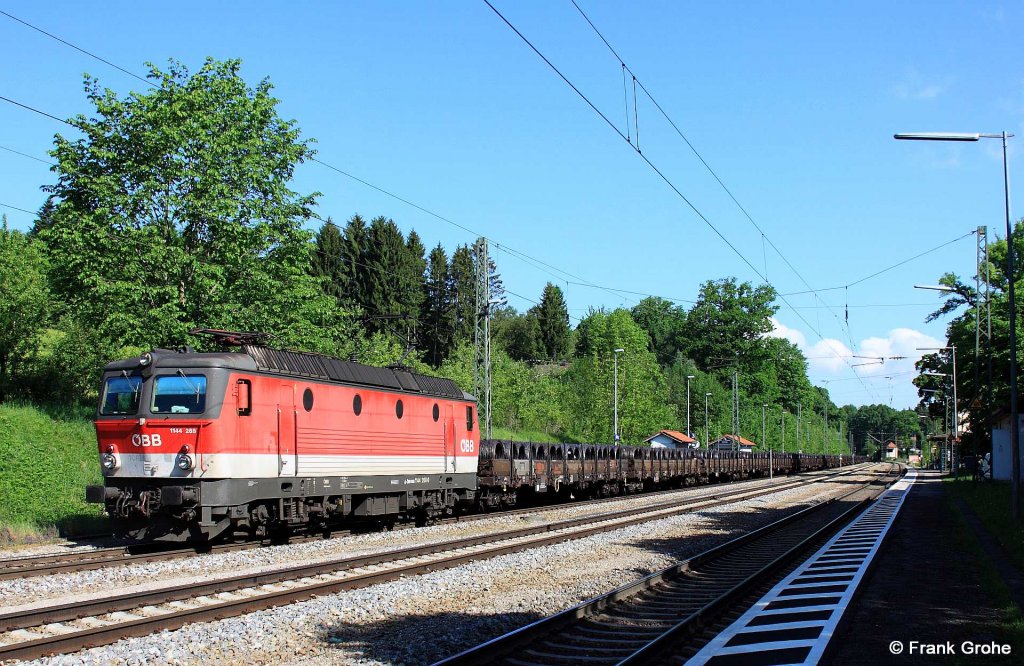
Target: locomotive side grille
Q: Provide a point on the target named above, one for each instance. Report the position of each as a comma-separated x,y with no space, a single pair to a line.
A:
439,386
292,363
325,367
407,381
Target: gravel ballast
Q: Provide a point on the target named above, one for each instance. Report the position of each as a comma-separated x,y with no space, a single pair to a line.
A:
425,618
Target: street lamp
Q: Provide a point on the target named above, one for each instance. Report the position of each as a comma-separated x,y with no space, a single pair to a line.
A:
707,442
688,378
1014,419
615,392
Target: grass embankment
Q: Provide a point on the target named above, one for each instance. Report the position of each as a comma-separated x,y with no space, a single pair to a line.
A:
46,460
991,503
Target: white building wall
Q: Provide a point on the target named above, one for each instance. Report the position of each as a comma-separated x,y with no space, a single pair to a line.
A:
661,441
1001,459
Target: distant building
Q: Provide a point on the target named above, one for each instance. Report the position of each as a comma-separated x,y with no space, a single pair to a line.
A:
733,443
891,450
672,439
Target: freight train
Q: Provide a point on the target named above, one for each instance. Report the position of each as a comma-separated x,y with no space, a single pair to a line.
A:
261,441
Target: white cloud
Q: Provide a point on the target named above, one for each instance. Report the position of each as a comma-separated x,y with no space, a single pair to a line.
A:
888,381
914,87
780,330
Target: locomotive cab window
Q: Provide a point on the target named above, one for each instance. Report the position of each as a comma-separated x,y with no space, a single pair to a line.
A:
121,395
469,419
179,394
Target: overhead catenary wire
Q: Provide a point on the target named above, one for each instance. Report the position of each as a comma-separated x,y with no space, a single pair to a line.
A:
587,283
424,281
31,157
77,48
675,127
17,209
887,269
652,166
519,255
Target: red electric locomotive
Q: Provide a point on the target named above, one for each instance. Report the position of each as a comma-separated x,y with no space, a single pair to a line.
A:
195,446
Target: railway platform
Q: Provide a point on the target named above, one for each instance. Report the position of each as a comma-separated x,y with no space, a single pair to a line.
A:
926,589
895,586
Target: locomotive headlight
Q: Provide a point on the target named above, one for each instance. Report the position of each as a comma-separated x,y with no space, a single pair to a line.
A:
109,462
184,462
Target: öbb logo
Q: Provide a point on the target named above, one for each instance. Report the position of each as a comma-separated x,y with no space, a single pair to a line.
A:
146,440
467,446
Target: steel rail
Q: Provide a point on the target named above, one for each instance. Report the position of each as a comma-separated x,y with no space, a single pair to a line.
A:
494,650
344,573
47,565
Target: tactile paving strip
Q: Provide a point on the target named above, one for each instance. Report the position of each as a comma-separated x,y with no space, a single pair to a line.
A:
794,622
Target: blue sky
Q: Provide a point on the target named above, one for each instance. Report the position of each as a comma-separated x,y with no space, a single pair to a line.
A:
792,104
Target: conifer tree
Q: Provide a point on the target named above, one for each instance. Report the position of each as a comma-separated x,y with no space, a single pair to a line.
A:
353,252
463,282
438,328
328,261
553,320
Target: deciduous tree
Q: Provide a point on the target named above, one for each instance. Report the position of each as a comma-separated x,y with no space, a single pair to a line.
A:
24,301
174,210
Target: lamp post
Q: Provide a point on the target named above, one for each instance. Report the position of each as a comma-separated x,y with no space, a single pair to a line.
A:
615,393
1014,418
707,442
688,378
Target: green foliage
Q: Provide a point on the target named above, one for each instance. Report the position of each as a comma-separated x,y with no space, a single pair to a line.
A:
173,211
664,323
24,303
981,372
523,398
725,328
463,292
355,285
519,335
553,322
328,263
873,425
45,465
588,384
438,322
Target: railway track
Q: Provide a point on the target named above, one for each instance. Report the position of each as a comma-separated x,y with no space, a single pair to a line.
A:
48,565
639,622
75,626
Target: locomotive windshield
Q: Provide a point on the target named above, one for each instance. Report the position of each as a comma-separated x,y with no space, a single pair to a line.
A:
121,395
179,394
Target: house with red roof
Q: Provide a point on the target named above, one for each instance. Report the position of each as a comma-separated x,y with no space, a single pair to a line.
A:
672,439
733,443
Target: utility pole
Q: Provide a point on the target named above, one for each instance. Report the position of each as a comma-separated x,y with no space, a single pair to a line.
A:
707,441
799,408
783,410
482,334
689,433
736,403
